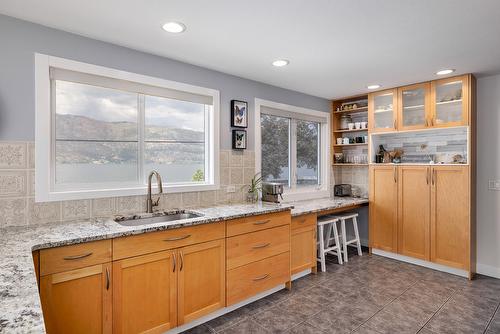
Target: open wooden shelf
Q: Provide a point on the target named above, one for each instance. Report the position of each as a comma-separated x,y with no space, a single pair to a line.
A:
347,130
347,145
362,109
348,164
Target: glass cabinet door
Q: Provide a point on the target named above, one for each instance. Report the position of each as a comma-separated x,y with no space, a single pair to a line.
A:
449,101
414,110
381,108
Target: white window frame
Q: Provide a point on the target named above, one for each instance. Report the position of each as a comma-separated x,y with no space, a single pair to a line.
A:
298,193
44,135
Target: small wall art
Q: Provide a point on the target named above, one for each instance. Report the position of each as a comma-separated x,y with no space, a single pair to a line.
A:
239,114
239,139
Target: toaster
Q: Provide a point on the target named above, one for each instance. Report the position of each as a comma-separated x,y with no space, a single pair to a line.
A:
342,190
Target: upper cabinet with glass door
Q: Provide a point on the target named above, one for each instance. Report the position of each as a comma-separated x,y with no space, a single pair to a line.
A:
382,108
450,102
414,106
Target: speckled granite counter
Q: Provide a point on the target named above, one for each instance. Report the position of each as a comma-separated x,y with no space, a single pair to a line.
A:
20,310
318,205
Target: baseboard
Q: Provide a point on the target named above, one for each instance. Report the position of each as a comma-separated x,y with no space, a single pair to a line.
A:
422,263
486,270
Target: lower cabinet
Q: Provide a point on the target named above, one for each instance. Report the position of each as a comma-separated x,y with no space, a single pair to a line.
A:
155,292
78,301
303,243
145,293
414,211
383,208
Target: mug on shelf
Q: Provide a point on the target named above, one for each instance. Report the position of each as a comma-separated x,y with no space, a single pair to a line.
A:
339,141
357,125
364,125
345,140
351,126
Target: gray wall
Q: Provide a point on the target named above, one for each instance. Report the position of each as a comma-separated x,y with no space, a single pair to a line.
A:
488,168
21,39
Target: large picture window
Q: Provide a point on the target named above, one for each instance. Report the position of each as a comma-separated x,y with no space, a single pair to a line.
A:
105,134
293,147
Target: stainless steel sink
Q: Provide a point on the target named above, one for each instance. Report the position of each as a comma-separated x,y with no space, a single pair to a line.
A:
164,217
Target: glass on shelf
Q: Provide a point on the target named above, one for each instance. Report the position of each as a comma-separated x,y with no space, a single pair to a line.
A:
448,102
383,111
414,107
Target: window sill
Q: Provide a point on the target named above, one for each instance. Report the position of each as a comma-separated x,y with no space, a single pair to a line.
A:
132,191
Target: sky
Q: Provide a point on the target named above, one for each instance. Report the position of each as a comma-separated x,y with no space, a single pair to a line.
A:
111,105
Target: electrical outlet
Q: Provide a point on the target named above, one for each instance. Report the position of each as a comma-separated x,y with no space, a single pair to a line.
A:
230,189
494,185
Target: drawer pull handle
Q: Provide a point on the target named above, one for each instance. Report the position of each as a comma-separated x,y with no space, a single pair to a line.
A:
261,245
262,222
178,238
260,278
77,257
107,279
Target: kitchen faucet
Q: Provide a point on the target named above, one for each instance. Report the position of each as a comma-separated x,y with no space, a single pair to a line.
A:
149,203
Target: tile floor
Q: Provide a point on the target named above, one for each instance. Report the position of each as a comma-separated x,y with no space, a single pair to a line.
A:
371,295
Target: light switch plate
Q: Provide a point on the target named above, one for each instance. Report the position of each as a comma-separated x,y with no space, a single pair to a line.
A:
494,185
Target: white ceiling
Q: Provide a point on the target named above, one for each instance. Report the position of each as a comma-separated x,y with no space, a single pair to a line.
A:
336,48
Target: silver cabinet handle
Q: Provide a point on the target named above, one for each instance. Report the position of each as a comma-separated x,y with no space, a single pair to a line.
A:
174,262
260,278
261,245
107,279
77,257
178,238
262,222
182,261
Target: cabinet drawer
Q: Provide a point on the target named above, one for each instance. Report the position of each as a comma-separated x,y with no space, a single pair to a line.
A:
304,220
59,259
251,279
157,241
251,247
257,223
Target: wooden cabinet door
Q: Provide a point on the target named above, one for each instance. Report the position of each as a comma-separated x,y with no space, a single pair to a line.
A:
382,111
201,280
303,248
383,207
145,293
414,107
78,301
414,207
450,101
450,216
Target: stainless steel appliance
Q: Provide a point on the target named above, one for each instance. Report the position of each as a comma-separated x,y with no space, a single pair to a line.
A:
272,192
342,190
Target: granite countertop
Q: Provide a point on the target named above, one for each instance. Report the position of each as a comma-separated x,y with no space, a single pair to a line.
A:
317,205
20,310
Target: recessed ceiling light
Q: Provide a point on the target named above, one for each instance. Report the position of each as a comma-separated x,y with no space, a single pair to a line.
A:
174,27
281,62
444,72
373,86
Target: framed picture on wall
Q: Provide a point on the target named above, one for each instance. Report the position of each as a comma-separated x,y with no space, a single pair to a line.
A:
239,139
239,114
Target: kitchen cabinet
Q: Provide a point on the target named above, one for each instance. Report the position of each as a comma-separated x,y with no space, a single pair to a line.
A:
450,101
414,109
450,216
383,207
145,293
78,300
382,111
303,243
414,207
201,280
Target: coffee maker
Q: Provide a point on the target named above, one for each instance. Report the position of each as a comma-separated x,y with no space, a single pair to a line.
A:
272,192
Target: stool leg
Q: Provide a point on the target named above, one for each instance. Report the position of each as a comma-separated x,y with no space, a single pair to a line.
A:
322,248
344,239
356,234
337,243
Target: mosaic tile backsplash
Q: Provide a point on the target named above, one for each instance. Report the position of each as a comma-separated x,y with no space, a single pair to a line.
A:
420,147
17,190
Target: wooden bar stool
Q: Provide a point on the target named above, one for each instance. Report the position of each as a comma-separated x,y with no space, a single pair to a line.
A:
356,240
325,239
